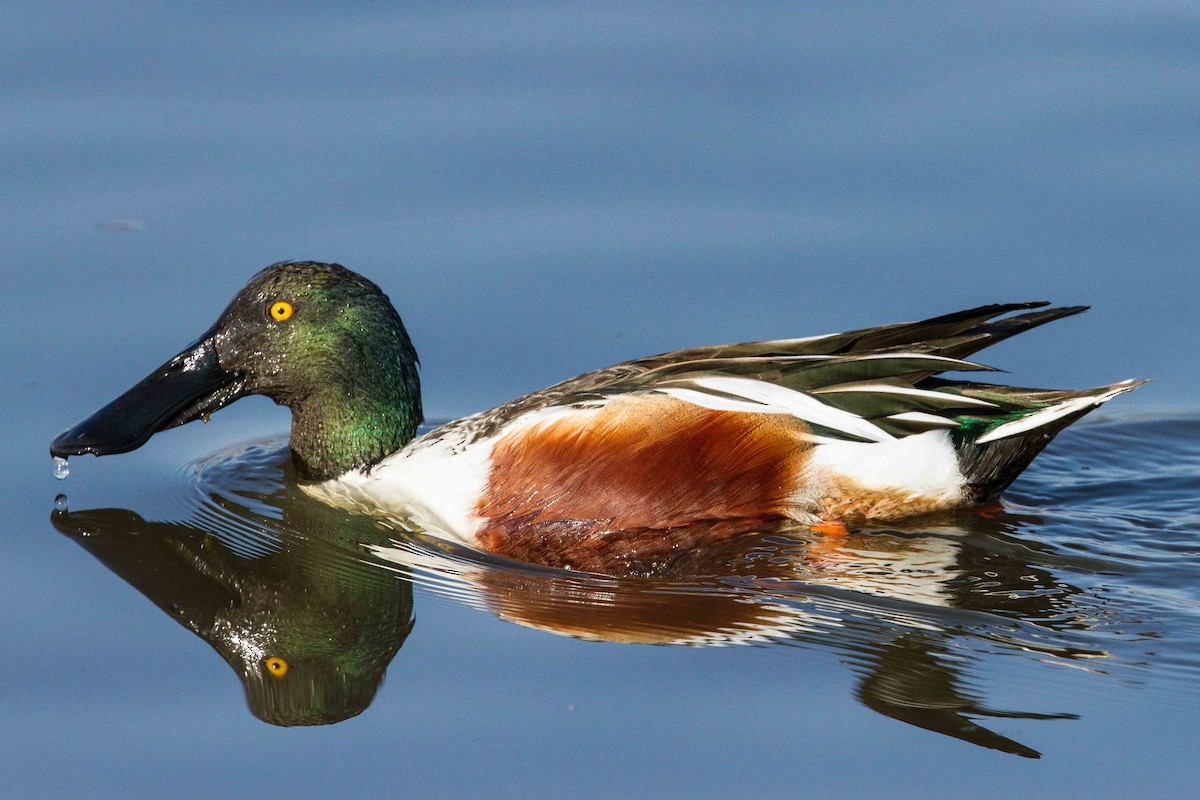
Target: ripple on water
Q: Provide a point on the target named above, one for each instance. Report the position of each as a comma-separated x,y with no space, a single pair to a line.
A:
1111,491
1091,566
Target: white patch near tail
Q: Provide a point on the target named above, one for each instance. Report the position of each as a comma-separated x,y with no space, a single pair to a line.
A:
1056,411
922,465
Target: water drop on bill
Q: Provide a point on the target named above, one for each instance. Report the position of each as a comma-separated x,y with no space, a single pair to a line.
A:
60,503
61,470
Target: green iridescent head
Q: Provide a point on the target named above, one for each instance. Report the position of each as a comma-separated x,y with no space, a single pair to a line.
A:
318,338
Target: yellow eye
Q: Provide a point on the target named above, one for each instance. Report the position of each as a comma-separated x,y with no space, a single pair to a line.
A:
280,311
276,665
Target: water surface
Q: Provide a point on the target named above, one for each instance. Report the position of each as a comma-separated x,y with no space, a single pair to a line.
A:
1022,630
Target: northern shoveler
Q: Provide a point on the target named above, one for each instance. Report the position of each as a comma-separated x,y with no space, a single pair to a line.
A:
649,456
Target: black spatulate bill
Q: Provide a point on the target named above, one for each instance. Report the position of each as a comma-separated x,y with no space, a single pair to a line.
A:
191,385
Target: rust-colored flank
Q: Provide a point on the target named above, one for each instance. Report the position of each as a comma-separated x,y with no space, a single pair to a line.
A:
641,478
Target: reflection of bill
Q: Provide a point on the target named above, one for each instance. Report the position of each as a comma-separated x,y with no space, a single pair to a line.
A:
309,604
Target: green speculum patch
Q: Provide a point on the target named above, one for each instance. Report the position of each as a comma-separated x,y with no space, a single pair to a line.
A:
972,427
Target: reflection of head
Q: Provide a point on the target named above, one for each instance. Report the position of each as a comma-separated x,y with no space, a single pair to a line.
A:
308,626
313,691
311,645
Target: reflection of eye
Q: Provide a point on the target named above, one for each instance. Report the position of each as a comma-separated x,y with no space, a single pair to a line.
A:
281,310
277,666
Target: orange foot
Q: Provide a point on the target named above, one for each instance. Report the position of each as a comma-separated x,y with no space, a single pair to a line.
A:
834,527
989,511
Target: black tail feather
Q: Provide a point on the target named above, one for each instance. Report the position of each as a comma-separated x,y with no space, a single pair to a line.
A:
989,333
990,467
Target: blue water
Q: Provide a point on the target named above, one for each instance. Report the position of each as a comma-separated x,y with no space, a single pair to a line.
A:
543,190
1065,625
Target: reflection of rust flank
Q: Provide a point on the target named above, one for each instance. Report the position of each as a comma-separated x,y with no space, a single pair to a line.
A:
626,612
642,478
657,612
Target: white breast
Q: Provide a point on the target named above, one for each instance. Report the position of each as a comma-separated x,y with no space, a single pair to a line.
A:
435,483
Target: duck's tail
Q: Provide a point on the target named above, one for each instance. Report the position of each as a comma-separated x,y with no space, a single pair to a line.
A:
994,449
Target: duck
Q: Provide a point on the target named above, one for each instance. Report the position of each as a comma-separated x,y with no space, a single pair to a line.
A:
642,459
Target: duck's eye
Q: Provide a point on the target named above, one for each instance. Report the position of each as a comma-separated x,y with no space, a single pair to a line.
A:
280,311
276,665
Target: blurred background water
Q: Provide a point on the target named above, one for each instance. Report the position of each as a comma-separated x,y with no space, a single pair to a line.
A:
544,189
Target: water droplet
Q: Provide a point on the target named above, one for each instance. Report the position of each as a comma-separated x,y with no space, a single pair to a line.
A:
61,470
60,503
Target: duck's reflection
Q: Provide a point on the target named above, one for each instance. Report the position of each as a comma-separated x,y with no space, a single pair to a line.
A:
915,681
309,605
308,628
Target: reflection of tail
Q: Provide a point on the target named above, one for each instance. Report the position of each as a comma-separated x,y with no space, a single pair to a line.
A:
993,450
911,684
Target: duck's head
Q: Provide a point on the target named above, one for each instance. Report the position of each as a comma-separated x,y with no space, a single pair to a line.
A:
318,338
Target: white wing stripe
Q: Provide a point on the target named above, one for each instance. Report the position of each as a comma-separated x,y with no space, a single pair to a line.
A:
1037,419
884,388
770,398
968,365
706,400
1047,415
923,418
